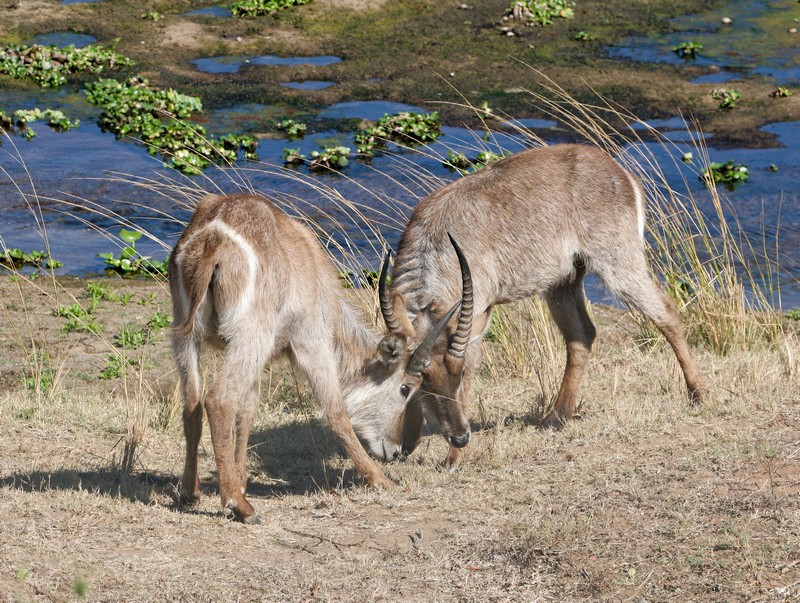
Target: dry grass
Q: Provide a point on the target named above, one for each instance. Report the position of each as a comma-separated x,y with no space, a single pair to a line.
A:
643,498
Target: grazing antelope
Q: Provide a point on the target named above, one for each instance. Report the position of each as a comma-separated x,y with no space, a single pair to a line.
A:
254,283
534,222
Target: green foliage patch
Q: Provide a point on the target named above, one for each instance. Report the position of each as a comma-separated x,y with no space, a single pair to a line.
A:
50,66
18,121
157,118
255,8
131,262
540,12
16,258
729,173
406,128
727,97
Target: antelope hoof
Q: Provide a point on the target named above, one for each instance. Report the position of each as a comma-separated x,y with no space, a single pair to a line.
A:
189,501
381,483
250,520
553,420
697,396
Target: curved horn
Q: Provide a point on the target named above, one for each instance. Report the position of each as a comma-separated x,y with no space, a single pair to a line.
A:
419,359
458,344
383,296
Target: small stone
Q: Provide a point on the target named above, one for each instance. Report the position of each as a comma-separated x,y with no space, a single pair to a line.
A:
727,20
792,30
452,74
510,34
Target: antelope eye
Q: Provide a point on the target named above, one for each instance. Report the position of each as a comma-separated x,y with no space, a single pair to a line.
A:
404,390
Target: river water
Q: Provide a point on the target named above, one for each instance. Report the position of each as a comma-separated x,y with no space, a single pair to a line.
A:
73,191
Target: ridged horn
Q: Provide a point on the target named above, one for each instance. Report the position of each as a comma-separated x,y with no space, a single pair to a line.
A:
383,296
419,359
458,345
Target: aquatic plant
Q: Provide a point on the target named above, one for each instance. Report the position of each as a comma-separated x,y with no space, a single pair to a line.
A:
130,261
17,122
404,127
16,258
780,92
157,118
585,36
463,165
727,97
729,173
540,12
254,8
294,129
152,15
50,66
293,156
687,50
330,158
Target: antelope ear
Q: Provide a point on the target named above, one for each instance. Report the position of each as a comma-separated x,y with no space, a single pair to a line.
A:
400,311
392,349
480,325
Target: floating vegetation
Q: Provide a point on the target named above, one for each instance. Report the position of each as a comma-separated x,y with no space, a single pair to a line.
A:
17,122
729,173
254,8
130,262
294,129
329,158
157,118
540,12
463,165
16,258
687,50
293,156
50,66
727,98
406,128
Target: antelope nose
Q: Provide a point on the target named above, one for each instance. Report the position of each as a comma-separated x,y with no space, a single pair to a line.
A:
460,442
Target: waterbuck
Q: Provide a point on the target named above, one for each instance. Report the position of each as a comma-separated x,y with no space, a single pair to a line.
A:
534,222
254,283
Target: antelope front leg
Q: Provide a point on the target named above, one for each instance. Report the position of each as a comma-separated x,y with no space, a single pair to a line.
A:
366,467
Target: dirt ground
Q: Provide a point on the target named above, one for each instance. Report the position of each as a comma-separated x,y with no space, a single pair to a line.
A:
644,498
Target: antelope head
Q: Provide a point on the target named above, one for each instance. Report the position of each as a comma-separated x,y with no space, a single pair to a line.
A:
433,373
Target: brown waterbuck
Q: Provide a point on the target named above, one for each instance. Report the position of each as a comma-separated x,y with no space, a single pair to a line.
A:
254,283
534,222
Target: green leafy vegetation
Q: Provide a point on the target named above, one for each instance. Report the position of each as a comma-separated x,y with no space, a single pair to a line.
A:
157,118
117,366
100,292
406,128
16,258
19,120
293,156
540,12
132,336
729,173
780,92
329,158
130,262
793,314
464,165
79,319
254,8
727,97
294,129
585,36
152,15
687,50
50,66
